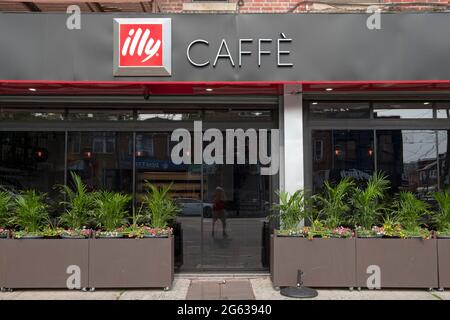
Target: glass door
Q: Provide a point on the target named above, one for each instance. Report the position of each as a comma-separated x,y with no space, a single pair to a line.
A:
237,197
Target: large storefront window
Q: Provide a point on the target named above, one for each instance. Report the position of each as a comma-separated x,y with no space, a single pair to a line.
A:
408,157
341,153
414,159
31,160
104,160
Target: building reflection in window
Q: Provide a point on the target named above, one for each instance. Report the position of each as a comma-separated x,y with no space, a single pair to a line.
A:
342,153
444,158
31,160
407,110
102,159
408,157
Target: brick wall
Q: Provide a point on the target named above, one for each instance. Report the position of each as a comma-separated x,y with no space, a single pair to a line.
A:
283,6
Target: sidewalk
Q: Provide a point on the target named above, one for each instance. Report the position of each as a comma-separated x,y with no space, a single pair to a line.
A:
262,290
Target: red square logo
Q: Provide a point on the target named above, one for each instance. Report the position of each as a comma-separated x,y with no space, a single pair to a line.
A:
141,45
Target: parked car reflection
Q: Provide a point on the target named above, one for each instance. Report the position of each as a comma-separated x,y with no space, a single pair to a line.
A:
194,207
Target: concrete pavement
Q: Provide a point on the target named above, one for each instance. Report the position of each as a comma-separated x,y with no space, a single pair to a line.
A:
262,289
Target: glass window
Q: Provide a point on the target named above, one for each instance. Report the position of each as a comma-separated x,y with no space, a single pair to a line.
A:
33,114
103,160
408,157
443,110
238,115
341,153
407,110
339,110
162,116
100,115
31,160
444,158
154,165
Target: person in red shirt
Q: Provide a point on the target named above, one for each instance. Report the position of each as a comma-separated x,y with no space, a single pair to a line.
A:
219,210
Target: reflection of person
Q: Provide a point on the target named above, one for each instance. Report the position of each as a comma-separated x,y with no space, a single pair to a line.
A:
219,210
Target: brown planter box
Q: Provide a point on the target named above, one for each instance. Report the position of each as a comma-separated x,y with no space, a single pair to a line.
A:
2,263
42,263
404,263
324,262
131,263
444,262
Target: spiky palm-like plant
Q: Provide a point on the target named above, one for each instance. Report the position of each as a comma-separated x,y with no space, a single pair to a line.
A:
408,210
79,204
5,207
291,209
442,216
110,210
30,212
367,202
333,202
158,207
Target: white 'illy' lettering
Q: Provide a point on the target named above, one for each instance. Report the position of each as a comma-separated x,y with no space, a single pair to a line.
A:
144,44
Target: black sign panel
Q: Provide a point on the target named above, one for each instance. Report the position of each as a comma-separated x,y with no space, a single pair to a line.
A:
320,47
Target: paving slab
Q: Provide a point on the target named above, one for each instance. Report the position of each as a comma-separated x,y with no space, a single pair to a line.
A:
443,295
61,295
263,289
177,292
220,290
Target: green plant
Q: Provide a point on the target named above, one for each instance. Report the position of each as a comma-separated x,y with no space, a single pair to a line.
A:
408,210
158,207
442,216
5,207
367,202
291,209
417,232
333,203
110,210
391,226
30,212
318,229
79,204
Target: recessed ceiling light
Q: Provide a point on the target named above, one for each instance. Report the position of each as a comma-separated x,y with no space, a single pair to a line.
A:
314,103
426,103
209,89
329,89
32,89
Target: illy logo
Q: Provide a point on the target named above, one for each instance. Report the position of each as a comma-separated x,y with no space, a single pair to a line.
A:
142,47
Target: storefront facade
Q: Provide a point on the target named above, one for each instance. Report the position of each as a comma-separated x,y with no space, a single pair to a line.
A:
343,100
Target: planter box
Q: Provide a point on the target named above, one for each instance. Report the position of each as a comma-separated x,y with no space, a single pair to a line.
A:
324,262
444,262
42,263
404,263
131,263
2,263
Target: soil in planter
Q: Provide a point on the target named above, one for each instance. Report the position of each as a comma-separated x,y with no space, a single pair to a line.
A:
32,237
72,237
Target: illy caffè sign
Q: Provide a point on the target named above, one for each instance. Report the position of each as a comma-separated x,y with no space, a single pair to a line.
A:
143,47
